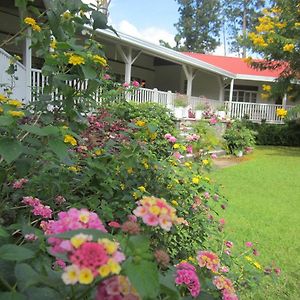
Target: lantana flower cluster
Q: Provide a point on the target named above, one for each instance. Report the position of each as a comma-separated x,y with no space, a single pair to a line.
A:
38,209
156,212
18,184
209,260
170,138
192,137
116,287
186,274
225,285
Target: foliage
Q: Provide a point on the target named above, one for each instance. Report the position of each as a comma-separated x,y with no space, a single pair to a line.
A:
276,38
238,137
287,134
181,101
110,190
240,18
198,26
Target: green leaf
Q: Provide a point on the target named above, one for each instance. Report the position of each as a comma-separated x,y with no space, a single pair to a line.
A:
65,77
59,148
42,294
168,284
3,232
152,128
97,234
100,20
10,149
6,120
15,253
12,296
26,276
88,72
144,277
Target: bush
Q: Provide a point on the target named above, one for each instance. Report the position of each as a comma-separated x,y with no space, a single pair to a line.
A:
238,137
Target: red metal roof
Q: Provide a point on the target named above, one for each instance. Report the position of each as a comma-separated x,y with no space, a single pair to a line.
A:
234,65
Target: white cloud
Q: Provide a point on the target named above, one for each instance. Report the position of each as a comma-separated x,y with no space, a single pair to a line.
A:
151,34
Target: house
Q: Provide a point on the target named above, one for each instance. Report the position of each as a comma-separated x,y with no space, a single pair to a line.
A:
202,78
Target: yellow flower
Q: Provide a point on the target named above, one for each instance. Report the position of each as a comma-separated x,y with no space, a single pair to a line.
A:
104,270
281,112
140,123
288,47
207,179
114,266
154,209
129,170
1,110
280,25
3,98
142,189
79,239
15,103
176,146
153,136
264,96
53,44
36,27
195,180
122,186
266,87
135,195
174,202
248,60
71,275
297,24
84,217
69,139
98,152
74,169
205,161
66,15
100,60
257,265
249,258
192,259
86,276
110,247
30,21
75,59
16,113
145,163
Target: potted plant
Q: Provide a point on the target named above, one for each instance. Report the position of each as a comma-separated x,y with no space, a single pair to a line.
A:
221,111
180,105
199,111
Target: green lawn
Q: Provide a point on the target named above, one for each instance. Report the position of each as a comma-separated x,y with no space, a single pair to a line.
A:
264,206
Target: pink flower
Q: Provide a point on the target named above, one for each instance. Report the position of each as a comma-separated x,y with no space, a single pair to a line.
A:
172,139
224,269
189,149
135,84
30,237
60,263
277,271
214,156
18,184
216,197
206,195
213,121
222,221
209,260
59,200
125,84
106,77
38,209
168,135
151,220
249,244
227,251
229,244
186,274
177,155
114,224
132,218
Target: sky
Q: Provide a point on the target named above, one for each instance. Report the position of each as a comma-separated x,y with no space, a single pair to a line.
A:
150,20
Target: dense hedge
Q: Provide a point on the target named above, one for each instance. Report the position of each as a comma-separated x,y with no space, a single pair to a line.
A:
287,134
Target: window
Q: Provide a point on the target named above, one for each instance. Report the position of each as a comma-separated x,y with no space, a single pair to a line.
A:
242,93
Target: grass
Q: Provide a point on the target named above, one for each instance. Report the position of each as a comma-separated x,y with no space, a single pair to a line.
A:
264,207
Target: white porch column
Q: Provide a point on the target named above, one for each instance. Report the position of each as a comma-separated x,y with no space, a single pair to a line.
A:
190,74
284,99
230,97
221,88
27,61
128,59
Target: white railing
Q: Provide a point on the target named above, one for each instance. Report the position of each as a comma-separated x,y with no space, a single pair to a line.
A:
19,84
195,101
256,111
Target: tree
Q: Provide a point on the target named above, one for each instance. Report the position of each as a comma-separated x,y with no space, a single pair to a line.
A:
240,17
199,25
277,39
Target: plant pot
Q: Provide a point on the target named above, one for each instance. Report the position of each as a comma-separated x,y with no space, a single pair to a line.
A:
239,153
221,114
198,114
180,112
